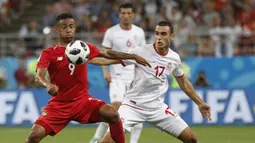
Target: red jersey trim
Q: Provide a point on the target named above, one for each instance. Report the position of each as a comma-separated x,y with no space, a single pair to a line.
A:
40,66
181,76
132,106
154,46
122,63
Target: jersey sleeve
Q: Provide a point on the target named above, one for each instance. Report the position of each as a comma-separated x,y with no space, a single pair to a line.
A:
107,41
44,60
94,51
142,41
178,72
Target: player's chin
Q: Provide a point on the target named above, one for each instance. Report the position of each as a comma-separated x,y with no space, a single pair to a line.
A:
69,38
127,22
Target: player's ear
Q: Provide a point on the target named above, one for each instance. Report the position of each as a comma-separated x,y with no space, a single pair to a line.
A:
172,36
75,27
133,14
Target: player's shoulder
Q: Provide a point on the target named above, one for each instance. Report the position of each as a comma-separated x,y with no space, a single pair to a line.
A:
50,49
113,28
174,56
148,46
137,28
90,45
144,49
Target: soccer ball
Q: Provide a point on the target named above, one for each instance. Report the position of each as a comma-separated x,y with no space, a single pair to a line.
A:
77,52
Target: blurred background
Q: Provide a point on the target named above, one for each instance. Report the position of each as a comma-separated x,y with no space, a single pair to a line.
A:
215,39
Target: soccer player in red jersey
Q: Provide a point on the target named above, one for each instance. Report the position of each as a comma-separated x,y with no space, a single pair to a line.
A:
69,87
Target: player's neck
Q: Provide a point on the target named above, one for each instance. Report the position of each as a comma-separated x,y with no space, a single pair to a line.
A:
125,26
163,51
62,43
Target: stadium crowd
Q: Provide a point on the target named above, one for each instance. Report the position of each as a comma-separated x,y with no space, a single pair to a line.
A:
12,9
202,27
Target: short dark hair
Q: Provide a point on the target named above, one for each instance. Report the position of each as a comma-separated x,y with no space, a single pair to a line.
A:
127,5
166,23
64,16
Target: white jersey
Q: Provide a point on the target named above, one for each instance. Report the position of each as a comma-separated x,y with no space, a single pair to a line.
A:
150,84
122,40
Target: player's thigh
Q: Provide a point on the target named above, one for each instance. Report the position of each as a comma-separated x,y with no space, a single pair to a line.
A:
117,89
88,111
168,121
131,116
53,120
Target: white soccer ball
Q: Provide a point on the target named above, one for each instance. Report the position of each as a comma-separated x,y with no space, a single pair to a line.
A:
77,52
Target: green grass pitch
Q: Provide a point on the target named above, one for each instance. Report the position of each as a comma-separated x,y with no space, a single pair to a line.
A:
206,134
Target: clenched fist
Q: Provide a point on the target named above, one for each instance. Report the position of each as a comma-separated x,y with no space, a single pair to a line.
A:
52,89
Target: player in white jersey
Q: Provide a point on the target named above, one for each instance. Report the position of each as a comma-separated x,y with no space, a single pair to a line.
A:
121,37
144,99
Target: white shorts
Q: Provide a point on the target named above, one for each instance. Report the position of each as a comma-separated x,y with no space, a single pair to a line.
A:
163,118
117,89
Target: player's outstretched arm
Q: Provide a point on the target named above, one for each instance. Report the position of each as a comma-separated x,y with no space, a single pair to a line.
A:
103,61
110,54
40,80
188,88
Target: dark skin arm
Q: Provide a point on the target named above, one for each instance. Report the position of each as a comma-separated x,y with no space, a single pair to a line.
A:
110,54
40,80
103,61
188,89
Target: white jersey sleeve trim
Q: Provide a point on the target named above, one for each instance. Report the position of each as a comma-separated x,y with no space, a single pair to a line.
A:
180,76
178,71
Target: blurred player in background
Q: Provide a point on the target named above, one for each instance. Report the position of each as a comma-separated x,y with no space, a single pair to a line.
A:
68,87
121,37
144,100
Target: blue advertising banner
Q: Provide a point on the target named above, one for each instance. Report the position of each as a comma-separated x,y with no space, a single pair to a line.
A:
236,72
228,107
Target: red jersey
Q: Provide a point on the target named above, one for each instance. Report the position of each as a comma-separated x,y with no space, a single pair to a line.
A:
72,80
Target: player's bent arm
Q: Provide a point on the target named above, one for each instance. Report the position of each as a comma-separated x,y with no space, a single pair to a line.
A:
111,54
40,77
188,89
103,61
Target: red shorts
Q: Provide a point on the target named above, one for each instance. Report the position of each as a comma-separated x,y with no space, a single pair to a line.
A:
56,115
